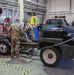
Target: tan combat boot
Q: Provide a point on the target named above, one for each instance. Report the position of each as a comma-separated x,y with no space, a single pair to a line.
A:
17,55
12,54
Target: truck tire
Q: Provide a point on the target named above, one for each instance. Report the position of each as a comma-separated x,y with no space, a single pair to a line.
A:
50,56
4,48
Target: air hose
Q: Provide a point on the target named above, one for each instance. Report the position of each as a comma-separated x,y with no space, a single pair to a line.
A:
64,42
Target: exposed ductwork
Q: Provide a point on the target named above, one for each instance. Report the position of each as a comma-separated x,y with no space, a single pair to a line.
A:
28,5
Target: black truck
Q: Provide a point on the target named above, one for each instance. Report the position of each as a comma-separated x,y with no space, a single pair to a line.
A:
57,41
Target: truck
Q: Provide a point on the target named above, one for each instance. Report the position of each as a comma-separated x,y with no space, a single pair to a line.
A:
57,41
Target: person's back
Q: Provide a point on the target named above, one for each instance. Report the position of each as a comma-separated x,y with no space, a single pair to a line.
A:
16,30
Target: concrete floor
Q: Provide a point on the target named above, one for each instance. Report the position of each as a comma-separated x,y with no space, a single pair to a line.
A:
31,65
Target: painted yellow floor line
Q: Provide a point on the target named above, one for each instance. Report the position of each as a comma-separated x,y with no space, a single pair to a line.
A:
16,67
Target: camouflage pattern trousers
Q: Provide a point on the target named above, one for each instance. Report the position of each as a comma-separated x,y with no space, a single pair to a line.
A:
15,44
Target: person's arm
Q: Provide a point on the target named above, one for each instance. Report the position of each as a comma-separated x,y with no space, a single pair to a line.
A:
21,30
9,30
30,27
26,28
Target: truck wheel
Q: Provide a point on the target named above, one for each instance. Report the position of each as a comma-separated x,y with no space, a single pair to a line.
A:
50,57
4,48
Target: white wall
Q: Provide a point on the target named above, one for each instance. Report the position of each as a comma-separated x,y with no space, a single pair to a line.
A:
60,7
47,3
73,6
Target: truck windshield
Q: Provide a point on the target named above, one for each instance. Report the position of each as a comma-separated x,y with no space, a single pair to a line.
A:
54,21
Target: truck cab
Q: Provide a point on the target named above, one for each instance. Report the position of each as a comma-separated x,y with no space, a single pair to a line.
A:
57,25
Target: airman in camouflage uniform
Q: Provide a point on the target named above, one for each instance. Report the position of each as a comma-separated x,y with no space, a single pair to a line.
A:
29,28
16,31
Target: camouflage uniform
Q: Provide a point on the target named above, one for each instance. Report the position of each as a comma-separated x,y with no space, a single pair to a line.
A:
16,31
29,28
